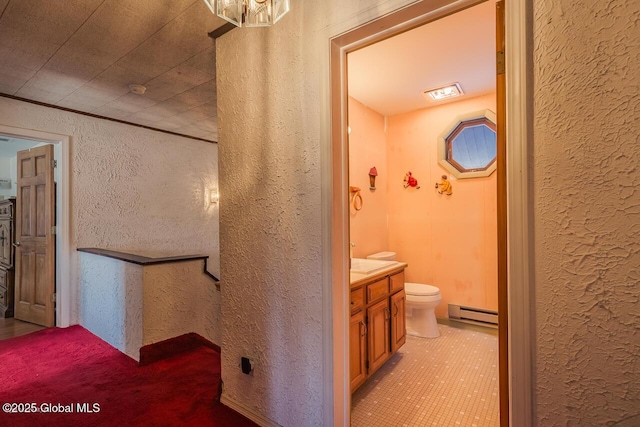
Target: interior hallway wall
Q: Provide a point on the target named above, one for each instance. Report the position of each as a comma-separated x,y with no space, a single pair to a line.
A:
586,202
132,189
272,105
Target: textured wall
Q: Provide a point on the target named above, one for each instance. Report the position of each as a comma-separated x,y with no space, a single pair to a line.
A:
179,298
111,298
270,106
586,209
132,189
270,225
129,306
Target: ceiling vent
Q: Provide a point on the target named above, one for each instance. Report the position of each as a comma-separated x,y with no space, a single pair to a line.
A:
444,92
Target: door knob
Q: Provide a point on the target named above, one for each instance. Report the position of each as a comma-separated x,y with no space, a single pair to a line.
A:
16,244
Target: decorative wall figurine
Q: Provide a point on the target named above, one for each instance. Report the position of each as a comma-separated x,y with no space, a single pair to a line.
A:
410,181
444,186
373,172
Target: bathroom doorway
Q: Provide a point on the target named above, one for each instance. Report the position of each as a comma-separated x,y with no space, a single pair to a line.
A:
436,215
517,385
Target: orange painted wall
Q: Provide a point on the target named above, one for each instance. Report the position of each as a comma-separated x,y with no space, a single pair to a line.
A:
367,148
448,241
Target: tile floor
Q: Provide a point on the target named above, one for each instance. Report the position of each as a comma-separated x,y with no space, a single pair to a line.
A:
448,381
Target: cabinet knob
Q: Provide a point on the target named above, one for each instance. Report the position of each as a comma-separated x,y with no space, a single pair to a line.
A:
16,244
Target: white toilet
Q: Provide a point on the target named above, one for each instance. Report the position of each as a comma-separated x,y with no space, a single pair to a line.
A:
421,302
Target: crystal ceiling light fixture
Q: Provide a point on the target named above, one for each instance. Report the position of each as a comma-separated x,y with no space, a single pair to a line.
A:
449,91
249,13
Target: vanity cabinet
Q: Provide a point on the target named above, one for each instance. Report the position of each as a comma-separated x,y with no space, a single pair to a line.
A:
398,322
7,253
378,321
357,350
377,328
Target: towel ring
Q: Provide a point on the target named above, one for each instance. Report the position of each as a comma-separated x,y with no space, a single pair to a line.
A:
356,196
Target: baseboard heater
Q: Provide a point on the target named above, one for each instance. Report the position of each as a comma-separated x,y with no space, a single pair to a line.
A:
473,315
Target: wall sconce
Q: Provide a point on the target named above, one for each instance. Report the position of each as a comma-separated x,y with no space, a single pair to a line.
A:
213,196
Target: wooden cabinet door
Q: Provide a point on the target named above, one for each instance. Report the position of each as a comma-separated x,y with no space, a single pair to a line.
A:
398,325
378,316
357,350
5,243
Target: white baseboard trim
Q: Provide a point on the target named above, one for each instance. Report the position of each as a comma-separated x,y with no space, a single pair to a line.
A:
250,413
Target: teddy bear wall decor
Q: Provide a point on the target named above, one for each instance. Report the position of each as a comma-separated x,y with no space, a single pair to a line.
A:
444,186
410,181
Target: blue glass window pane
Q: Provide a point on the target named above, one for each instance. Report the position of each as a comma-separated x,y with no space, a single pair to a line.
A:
474,147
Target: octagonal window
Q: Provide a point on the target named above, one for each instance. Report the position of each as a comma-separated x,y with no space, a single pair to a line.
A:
468,146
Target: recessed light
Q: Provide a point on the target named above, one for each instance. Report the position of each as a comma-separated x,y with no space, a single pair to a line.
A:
137,89
444,92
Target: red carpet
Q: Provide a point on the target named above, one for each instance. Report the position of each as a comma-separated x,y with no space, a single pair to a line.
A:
67,368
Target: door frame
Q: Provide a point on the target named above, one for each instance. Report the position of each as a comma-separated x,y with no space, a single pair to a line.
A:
520,337
62,175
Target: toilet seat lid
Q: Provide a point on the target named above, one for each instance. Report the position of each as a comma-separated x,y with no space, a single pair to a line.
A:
420,289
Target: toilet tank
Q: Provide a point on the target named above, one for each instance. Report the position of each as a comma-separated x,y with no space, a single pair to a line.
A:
383,256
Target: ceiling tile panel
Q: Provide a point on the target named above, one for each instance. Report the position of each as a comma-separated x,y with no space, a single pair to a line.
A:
38,94
95,96
84,54
192,116
156,113
74,104
83,65
208,110
204,61
189,75
20,47
114,30
11,70
153,58
161,11
199,95
10,85
113,112
200,18
166,86
54,81
54,21
174,106
131,103
118,78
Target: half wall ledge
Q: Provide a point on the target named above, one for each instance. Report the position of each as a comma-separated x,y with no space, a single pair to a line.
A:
131,300
144,260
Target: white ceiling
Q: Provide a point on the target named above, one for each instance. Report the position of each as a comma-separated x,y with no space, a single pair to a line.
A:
390,76
83,55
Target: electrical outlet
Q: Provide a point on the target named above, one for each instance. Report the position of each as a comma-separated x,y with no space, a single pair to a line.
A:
247,365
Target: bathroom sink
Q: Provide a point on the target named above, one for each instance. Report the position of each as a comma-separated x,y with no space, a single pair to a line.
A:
368,266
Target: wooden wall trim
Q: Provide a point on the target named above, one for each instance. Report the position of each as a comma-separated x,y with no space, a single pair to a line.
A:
97,116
